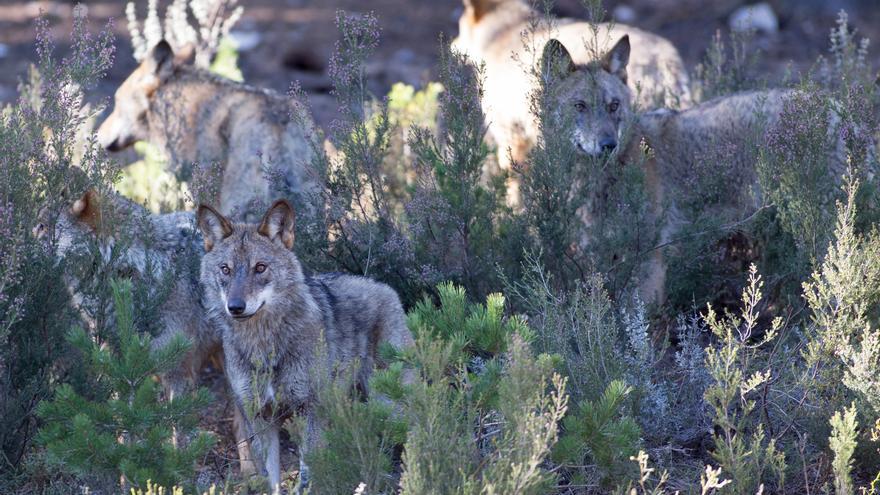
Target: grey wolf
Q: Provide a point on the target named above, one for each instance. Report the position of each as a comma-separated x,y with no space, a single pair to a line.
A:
279,325
593,100
157,249
198,117
721,138
491,33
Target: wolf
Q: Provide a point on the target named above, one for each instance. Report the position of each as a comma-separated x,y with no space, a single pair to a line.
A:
279,325
721,138
491,33
199,117
154,248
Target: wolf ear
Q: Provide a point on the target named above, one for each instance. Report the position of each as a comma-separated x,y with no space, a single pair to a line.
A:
556,61
87,210
617,58
476,9
161,59
278,223
214,226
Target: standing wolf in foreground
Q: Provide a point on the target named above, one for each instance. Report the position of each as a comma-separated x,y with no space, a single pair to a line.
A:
199,117
278,324
491,32
152,248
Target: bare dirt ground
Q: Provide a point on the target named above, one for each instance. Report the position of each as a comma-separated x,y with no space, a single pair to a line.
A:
296,37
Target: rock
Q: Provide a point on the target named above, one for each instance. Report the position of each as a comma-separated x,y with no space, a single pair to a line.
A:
758,17
624,13
245,40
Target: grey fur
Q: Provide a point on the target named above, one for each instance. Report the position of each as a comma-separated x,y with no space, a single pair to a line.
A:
198,117
288,325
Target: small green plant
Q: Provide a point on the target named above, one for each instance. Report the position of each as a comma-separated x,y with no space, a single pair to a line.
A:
125,430
844,342
727,67
741,447
844,430
602,430
474,329
456,447
472,409
359,440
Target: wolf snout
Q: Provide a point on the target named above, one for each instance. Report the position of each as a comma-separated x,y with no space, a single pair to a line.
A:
608,145
236,307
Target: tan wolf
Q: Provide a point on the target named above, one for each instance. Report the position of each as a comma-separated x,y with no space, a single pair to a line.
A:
199,117
491,32
279,325
153,248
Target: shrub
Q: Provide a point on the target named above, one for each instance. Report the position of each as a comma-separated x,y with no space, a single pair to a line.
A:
127,430
843,444
478,416
842,294
741,447
44,152
442,455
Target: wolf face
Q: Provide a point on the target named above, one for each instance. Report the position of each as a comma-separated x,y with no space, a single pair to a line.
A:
129,121
248,265
592,99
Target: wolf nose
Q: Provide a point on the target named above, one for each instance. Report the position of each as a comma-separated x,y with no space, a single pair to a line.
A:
608,144
235,306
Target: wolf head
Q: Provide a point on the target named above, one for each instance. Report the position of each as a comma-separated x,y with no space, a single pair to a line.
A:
248,267
129,121
593,97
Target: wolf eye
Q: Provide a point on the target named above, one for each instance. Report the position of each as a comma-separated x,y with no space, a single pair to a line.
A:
614,105
224,269
580,106
260,268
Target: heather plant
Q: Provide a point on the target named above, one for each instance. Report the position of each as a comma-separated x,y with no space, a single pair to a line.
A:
414,230
126,424
454,220
366,235
42,155
847,65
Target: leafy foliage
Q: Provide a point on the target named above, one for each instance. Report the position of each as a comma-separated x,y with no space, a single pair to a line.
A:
126,431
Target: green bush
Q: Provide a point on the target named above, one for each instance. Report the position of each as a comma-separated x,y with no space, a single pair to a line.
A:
126,431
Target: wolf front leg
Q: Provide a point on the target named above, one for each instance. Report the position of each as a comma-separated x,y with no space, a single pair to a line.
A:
266,450
307,444
247,467
264,445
